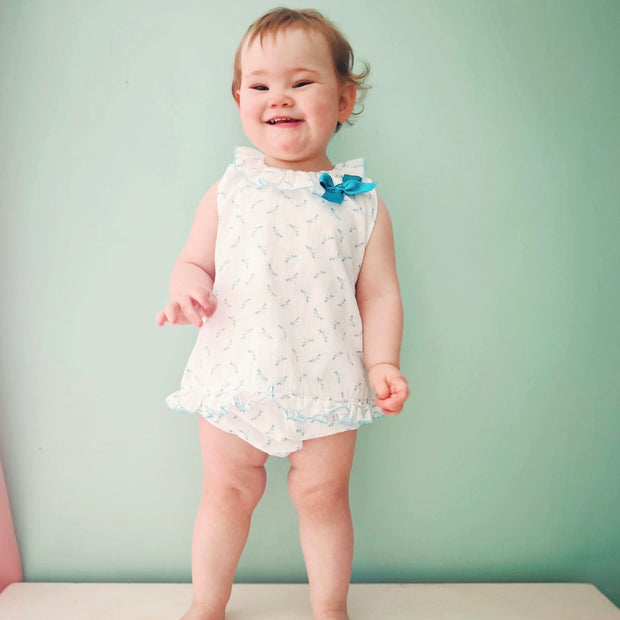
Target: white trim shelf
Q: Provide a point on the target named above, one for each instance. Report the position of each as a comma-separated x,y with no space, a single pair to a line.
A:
428,601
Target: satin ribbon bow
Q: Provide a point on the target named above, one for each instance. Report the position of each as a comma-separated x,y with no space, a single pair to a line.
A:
350,186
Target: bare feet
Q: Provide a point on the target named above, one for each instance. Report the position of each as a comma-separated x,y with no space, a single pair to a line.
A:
197,613
332,616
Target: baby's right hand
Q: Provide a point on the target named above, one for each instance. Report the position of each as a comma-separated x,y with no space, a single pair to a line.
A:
189,308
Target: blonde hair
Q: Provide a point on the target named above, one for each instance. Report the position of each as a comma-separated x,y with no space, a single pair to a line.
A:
280,19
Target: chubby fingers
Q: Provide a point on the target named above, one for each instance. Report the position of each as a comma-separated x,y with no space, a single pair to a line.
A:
189,308
203,300
173,314
392,399
196,305
381,386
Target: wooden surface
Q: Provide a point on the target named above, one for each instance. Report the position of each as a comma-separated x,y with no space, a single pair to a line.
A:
67,601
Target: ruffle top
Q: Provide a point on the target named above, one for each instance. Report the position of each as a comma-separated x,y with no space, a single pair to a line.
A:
281,361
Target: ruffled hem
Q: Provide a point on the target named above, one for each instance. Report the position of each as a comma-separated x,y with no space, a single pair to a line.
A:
251,163
274,424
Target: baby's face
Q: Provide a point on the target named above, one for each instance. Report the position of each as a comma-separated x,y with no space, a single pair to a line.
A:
290,98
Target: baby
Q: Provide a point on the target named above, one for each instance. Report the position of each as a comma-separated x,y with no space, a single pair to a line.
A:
289,274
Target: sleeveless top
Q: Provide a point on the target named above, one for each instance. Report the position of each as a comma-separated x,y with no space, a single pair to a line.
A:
280,360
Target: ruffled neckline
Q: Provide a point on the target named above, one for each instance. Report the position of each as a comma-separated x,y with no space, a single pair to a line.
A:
251,163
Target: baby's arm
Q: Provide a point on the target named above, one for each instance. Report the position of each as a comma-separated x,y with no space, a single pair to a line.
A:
381,310
191,281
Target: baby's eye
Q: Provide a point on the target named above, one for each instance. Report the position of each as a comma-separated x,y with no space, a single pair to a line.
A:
302,83
259,87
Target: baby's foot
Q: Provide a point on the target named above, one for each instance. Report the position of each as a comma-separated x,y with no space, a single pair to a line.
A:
334,615
197,613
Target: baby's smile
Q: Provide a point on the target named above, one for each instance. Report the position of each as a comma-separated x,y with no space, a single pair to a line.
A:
284,120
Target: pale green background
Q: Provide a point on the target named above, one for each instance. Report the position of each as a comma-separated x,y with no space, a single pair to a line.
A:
492,130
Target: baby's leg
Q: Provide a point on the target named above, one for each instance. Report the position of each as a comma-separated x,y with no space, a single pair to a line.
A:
319,487
234,481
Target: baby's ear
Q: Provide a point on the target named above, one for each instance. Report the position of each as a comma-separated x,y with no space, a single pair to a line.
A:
237,97
346,103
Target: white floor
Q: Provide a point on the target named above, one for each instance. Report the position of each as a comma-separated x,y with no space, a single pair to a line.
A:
481,601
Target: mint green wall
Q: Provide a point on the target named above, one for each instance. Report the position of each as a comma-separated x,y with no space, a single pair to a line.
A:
492,130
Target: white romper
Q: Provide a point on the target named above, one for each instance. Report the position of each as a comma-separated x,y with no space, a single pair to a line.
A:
280,360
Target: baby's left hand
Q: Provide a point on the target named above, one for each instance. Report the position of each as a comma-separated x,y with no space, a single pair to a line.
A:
390,387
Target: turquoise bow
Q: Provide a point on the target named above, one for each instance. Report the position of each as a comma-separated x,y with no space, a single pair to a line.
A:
350,186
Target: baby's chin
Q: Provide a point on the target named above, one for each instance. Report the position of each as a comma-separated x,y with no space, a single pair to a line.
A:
292,159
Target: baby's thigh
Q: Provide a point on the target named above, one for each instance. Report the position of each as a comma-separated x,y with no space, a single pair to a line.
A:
228,460
323,465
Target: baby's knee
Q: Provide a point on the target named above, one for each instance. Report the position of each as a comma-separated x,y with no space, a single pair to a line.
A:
314,497
237,491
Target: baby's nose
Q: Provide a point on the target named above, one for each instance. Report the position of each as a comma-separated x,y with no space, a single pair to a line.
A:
280,99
